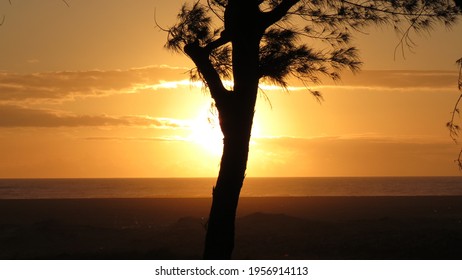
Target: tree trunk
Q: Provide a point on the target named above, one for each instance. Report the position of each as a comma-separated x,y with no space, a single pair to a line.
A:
219,241
236,117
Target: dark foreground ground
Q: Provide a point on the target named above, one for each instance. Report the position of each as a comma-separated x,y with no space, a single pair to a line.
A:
267,228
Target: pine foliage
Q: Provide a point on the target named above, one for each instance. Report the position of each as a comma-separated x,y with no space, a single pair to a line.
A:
312,39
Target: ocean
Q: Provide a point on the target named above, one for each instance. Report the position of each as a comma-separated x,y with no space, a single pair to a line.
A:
253,187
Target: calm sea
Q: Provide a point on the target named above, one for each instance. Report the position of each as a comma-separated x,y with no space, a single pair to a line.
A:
253,187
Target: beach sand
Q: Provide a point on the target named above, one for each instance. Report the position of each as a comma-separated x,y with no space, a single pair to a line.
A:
267,228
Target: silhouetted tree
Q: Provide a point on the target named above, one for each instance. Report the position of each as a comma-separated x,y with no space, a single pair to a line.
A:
247,41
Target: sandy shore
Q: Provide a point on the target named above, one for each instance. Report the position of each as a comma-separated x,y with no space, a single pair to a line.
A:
267,228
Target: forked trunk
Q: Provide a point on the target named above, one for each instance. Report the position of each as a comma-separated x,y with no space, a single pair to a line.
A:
236,112
236,119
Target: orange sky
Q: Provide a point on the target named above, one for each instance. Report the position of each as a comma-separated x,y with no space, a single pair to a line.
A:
89,91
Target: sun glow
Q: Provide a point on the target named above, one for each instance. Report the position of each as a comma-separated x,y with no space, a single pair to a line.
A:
206,131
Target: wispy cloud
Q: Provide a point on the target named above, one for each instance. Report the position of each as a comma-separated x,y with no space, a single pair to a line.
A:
382,80
401,79
143,139
370,138
17,116
53,86
33,61
58,86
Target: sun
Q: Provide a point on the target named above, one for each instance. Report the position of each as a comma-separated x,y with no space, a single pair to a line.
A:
206,132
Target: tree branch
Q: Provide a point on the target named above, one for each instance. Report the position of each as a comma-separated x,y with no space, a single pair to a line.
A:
452,126
200,57
391,12
458,3
459,160
275,15
223,40
212,9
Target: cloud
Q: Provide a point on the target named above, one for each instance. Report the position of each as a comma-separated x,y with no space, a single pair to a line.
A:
12,116
404,79
33,61
67,85
144,139
16,87
383,80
